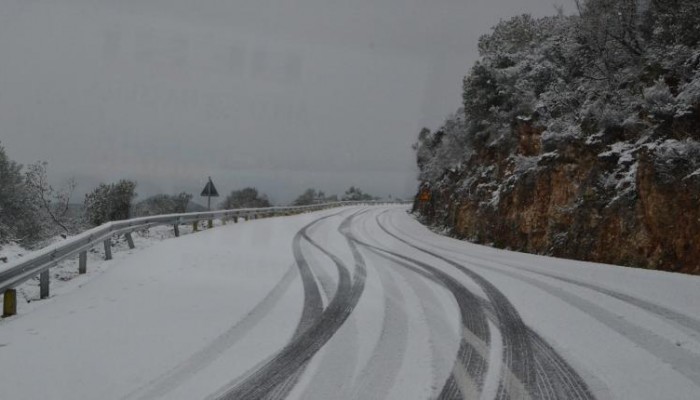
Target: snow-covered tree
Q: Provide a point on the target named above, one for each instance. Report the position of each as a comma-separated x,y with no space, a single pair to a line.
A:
356,194
110,202
629,66
245,198
53,203
310,196
19,216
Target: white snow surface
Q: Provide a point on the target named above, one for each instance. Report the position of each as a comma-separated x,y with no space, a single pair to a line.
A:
188,317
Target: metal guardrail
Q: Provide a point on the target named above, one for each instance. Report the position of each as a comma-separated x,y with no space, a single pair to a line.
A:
39,262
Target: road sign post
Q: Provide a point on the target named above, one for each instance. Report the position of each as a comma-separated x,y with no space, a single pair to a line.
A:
209,191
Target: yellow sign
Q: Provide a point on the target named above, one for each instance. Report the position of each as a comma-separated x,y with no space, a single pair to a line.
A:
424,196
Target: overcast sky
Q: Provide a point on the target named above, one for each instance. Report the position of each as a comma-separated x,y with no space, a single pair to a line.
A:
277,94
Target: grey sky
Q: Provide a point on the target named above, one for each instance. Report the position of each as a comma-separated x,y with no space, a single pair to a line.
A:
282,95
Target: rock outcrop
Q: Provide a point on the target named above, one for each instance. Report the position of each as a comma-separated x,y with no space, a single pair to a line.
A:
620,203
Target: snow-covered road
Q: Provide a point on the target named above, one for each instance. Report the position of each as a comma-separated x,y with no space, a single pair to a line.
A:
355,303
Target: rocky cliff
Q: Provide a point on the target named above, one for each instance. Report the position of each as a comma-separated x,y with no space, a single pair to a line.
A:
569,164
556,199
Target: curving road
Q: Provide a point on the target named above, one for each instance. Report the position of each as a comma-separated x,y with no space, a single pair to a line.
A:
366,303
520,364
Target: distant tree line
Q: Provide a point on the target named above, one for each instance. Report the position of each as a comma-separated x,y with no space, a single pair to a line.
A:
32,210
313,196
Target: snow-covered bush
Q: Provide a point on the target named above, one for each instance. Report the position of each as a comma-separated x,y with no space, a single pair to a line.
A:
660,101
689,96
110,202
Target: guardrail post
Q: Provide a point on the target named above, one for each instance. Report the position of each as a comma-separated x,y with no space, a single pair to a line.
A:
9,303
235,219
129,240
210,224
176,227
195,226
223,220
44,284
108,249
82,262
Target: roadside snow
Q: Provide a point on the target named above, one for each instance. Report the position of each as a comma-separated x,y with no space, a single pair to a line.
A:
154,308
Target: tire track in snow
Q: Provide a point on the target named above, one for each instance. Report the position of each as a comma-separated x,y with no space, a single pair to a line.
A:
437,321
465,381
337,362
339,357
557,379
519,355
301,349
686,363
688,323
471,362
667,314
433,312
331,379
455,388
548,363
551,369
379,374
381,370
313,296
312,306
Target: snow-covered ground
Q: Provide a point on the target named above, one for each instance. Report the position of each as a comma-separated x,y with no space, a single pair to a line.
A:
351,303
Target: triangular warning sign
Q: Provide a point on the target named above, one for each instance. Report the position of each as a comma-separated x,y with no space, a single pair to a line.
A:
210,190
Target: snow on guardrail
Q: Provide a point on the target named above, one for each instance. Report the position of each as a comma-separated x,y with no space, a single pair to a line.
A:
39,262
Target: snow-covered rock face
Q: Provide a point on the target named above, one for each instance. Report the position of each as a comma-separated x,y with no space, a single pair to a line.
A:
563,149
628,204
